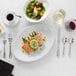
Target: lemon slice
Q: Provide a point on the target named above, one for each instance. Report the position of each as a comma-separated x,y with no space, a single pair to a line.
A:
34,44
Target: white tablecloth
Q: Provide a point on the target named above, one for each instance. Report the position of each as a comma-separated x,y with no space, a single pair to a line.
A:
50,65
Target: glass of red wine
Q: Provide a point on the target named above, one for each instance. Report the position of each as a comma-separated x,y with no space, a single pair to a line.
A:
71,25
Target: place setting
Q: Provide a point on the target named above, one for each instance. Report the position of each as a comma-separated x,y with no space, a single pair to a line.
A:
31,43
69,26
35,41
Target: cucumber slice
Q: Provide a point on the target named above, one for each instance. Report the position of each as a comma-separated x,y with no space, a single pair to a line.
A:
34,44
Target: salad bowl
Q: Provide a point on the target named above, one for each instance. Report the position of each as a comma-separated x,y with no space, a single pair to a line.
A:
45,3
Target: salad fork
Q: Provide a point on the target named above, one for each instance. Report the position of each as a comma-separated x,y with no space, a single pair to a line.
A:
4,42
10,44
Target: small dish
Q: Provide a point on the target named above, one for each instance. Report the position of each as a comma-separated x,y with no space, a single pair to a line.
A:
2,31
10,18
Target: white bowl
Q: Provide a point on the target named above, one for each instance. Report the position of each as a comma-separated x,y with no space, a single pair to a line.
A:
45,3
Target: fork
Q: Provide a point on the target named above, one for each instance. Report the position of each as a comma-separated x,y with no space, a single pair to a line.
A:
10,44
4,42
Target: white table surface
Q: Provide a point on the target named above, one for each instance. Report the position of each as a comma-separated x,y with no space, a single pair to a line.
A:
50,65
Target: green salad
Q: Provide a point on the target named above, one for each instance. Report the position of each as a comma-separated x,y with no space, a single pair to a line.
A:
35,10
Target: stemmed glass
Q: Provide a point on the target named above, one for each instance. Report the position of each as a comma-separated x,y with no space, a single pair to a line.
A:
58,17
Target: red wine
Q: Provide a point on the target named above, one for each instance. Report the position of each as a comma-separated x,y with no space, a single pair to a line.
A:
72,25
10,17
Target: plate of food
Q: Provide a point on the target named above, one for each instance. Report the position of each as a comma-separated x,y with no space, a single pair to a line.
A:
36,10
33,43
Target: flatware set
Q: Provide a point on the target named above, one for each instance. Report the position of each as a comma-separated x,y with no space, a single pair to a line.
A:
10,45
66,41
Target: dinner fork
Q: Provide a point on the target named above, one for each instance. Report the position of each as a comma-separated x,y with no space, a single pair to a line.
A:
4,42
10,44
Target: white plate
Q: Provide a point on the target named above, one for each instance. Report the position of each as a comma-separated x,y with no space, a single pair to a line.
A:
47,46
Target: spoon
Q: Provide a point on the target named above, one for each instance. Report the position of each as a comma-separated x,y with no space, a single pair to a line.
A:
70,40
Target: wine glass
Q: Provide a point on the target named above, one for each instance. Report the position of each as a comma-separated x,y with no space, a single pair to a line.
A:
58,17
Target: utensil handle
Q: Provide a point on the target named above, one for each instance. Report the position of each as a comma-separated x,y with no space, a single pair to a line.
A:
63,50
19,16
10,51
4,54
58,48
69,49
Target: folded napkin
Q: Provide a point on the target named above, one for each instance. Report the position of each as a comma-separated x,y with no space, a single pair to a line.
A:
6,68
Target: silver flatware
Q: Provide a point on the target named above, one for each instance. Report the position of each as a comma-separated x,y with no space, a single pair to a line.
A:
64,41
70,41
19,16
10,44
58,43
4,42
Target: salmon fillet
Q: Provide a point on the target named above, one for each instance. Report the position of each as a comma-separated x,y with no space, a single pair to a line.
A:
39,38
27,48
